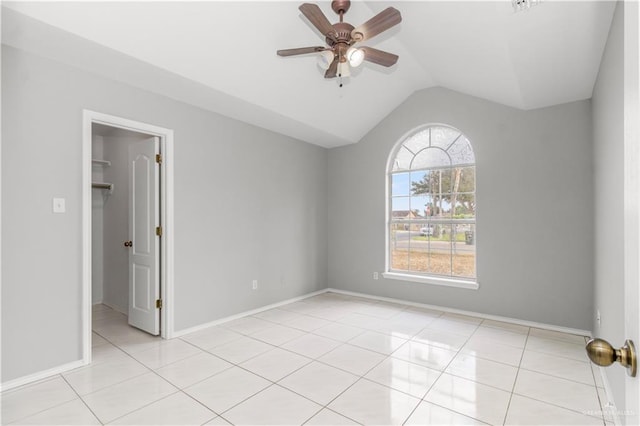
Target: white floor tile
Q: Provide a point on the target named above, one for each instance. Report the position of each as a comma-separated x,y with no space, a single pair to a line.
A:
226,389
352,359
425,355
218,421
377,342
115,401
273,406
275,364
501,336
193,369
557,335
176,409
247,325
70,413
331,314
277,335
430,414
327,417
567,368
498,375
453,326
97,340
361,321
168,352
311,346
469,398
340,332
319,382
211,337
306,322
106,352
463,367
278,316
373,404
526,411
404,376
241,350
558,348
28,400
514,328
564,393
481,348
101,375
441,339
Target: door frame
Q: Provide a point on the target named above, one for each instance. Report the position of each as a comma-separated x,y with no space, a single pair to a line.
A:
166,213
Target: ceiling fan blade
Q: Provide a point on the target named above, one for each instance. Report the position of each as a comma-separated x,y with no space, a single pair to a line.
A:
379,57
333,69
379,23
300,51
317,18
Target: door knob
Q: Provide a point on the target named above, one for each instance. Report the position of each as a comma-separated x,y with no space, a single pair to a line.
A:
128,243
602,353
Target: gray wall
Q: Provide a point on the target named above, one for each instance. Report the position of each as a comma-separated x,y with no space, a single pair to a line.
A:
608,142
534,218
249,204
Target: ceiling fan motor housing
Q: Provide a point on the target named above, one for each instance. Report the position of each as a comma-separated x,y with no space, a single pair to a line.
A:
340,6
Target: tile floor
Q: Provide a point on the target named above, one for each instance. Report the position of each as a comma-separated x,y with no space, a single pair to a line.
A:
327,360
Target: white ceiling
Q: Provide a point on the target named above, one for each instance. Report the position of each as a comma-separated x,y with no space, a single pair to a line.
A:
221,55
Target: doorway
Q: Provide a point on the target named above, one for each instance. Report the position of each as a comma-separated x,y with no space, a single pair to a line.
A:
127,223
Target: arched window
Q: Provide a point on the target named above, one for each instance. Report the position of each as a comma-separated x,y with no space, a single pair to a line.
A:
431,227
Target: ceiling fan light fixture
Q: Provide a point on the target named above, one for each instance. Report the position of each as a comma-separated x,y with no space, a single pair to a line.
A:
355,56
520,5
324,59
343,69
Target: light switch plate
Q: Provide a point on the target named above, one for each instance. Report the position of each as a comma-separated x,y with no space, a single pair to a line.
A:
59,205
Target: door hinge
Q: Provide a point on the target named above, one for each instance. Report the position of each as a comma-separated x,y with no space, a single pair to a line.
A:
159,231
159,304
159,158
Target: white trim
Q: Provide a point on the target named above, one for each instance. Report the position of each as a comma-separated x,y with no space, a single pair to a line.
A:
41,375
423,279
246,313
167,197
515,321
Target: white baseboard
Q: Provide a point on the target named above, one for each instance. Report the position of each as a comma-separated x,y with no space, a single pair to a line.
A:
40,375
468,313
244,314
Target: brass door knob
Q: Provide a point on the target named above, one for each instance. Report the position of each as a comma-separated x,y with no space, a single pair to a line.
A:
602,353
128,243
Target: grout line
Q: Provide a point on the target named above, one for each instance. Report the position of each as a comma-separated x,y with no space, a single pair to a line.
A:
513,388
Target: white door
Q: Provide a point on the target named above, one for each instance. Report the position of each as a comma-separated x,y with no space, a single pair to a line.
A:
631,415
144,217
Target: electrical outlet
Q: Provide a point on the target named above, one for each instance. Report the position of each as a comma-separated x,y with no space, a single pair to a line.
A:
254,284
598,317
375,275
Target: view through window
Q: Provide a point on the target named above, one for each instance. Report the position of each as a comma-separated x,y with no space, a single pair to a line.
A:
432,202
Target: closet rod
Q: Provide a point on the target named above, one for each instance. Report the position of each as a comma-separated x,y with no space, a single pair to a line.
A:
98,185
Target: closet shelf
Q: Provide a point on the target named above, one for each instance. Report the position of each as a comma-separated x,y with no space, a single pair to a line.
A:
104,163
102,185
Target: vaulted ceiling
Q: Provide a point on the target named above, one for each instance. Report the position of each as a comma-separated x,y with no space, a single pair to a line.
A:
222,55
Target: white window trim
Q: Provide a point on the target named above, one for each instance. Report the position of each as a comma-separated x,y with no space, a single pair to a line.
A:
424,279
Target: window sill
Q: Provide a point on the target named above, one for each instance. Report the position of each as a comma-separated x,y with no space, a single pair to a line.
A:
447,282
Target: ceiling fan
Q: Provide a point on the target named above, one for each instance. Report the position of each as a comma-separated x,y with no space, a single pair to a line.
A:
341,36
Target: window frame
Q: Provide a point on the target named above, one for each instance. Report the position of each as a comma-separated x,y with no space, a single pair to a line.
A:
415,276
